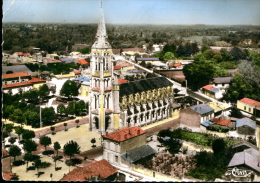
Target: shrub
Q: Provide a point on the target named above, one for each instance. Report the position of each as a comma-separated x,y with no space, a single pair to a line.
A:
45,164
18,163
76,161
48,152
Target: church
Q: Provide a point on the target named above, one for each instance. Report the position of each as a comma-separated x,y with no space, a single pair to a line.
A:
113,106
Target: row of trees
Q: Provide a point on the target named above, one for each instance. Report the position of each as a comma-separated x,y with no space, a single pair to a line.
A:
55,68
29,145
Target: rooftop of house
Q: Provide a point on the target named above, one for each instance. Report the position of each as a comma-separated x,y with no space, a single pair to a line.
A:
133,71
124,64
207,87
77,72
143,85
16,69
247,157
15,75
177,64
67,59
244,143
9,176
36,80
202,109
222,80
206,123
21,53
124,134
246,122
121,81
117,67
148,59
84,79
138,153
221,122
250,102
14,85
82,61
215,90
4,152
217,106
52,60
100,168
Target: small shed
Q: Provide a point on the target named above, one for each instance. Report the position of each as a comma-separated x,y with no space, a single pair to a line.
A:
245,126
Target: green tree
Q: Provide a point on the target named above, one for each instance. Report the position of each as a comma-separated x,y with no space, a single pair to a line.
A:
71,148
69,89
30,145
9,128
61,109
218,146
37,164
47,114
17,116
7,111
199,74
93,141
168,56
52,128
65,125
28,134
237,54
19,130
15,151
44,91
45,141
31,118
28,157
77,122
57,147
71,109
80,106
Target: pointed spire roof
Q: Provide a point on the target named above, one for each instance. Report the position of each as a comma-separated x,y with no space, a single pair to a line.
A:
101,36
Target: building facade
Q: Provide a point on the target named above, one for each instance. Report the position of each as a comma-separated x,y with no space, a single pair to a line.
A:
114,105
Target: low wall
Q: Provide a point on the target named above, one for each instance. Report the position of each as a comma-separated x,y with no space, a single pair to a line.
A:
151,173
224,135
61,127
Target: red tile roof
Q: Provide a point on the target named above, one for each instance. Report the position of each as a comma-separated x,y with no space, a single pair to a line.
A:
221,121
14,75
52,60
177,64
208,87
117,67
82,61
124,133
121,81
4,153
250,102
16,85
100,168
124,64
21,53
8,176
77,72
36,80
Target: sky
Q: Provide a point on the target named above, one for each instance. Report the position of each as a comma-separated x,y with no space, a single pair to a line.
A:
212,12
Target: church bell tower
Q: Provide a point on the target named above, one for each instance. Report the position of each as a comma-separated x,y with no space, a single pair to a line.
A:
104,92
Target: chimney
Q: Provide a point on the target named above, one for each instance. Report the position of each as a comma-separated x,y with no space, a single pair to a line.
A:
125,137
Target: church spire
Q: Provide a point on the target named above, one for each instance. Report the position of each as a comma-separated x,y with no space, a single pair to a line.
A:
101,35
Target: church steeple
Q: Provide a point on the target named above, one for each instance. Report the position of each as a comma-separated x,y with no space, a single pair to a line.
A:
101,36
